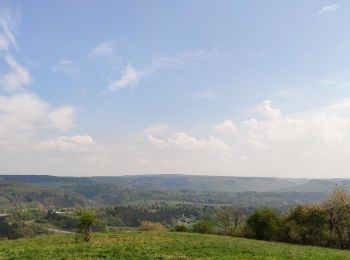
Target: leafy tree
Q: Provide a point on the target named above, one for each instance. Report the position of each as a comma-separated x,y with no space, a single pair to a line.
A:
230,218
264,224
86,220
204,225
338,207
306,224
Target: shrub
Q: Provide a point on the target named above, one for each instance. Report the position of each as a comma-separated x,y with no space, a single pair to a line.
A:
204,225
230,218
86,220
151,226
306,224
264,224
180,228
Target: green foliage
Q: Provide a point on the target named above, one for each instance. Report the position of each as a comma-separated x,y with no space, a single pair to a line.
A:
86,220
265,224
180,228
204,225
306,224
19,229
64,222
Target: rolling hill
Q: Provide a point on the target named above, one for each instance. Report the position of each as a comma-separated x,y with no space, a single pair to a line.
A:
159,245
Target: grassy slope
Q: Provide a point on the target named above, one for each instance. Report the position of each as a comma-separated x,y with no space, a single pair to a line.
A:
159,245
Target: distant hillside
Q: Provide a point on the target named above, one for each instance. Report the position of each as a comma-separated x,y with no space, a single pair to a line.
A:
202,183
14,195
46,191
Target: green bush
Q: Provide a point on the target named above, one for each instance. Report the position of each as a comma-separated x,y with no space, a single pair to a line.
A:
264,224
180,228
306,224
204,225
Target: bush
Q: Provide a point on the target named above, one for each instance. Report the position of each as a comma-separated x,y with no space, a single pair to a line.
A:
307,224
264,224
151,226
180,228
86,220
204,225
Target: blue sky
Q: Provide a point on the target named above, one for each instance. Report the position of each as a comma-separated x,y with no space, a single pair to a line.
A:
248,88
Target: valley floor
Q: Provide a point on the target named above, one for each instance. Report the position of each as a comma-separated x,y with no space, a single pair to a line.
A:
159,245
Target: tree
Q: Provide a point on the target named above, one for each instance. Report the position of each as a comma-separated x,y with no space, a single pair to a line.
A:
86,220
204,225
338,207
230,218
264,224
306,224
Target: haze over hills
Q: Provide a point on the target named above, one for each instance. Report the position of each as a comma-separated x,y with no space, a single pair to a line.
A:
176,182
46,191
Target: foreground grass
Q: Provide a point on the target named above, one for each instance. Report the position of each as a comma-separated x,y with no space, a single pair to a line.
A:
159,245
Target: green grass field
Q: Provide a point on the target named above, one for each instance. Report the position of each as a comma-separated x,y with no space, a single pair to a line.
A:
159,245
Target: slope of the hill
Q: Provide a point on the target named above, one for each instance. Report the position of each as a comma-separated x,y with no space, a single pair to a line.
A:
159,245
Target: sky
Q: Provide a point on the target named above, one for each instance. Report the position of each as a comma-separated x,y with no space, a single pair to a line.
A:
237,88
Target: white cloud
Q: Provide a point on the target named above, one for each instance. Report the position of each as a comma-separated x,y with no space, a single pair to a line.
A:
62,118
268,110
324,126
227,127
66,67
25,111
16,78
157,142
129,78
103,49
79,143
327,9
8,20
155,129
182,141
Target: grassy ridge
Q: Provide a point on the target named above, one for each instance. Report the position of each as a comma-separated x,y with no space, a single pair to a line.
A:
159,245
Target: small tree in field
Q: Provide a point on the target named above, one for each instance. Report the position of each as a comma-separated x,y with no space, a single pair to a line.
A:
86,220
230,218
204,225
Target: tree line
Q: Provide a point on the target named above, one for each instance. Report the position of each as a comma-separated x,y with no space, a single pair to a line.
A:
325,223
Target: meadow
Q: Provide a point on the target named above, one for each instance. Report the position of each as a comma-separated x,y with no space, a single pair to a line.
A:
159,245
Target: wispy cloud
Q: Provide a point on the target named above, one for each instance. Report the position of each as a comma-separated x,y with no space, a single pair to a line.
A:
183,141
205,94
129,78
103,49
328,8
287,93
155,129
76,143
66,67
8,21
328,81
16,78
